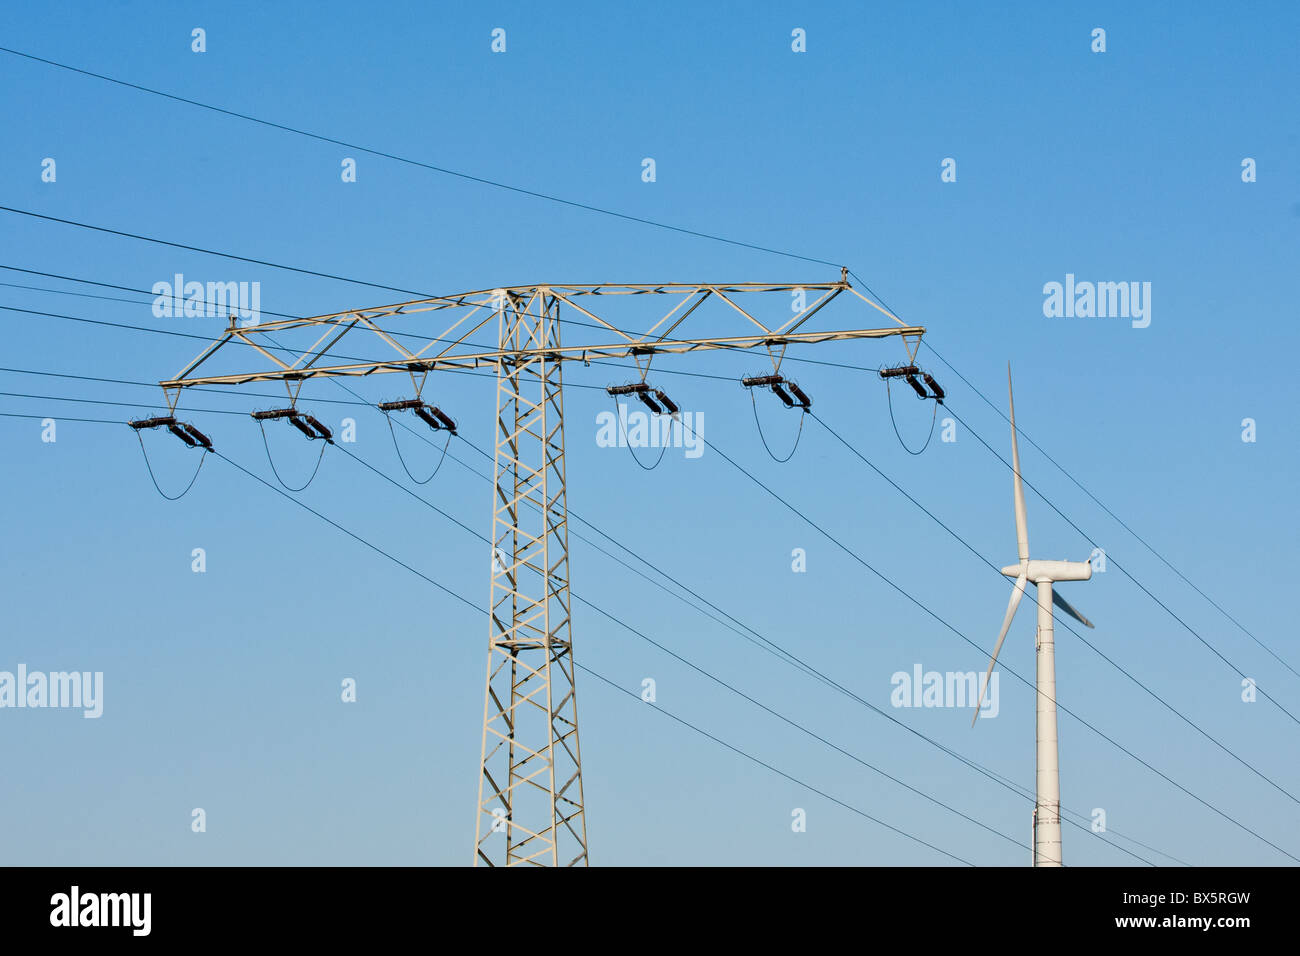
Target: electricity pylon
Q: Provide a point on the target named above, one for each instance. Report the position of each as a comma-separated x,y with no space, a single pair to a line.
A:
530,806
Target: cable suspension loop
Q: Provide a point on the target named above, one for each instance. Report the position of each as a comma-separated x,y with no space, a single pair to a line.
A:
890,398
910,373
398,449
655,400
763,438
154,479
622,425
308,425
276,471
778,384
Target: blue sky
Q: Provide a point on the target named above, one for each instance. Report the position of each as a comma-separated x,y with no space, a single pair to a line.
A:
222,688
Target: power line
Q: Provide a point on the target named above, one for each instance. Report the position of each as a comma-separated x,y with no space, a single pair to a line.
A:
96,421
144,328
95,401
209,252
186,335
123,381
102,285
103,322
82,295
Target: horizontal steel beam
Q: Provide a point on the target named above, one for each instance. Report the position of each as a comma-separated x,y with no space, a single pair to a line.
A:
569,353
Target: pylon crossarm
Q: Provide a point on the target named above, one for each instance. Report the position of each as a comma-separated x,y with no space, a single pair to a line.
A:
454,347
490,358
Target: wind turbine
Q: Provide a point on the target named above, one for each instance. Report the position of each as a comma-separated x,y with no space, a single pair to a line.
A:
1047,807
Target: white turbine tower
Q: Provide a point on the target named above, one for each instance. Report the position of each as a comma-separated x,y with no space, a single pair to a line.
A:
1047,809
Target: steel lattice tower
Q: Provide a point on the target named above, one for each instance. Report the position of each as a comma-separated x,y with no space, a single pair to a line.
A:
530,785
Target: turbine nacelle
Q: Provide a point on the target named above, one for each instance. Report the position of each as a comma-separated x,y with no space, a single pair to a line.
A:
1039,571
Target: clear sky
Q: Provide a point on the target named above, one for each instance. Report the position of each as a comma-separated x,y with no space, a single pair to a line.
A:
221,690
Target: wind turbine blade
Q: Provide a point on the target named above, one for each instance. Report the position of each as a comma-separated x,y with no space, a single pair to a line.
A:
1022,529
1068,608
1016,594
